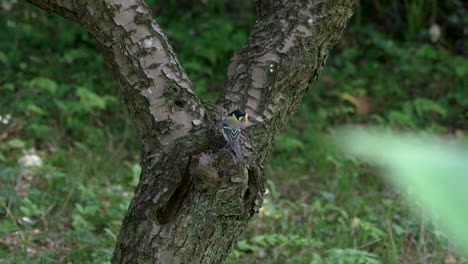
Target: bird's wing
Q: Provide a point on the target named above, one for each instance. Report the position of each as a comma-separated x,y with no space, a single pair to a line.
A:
232,133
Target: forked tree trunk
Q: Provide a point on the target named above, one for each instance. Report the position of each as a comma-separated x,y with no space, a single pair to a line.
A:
193,200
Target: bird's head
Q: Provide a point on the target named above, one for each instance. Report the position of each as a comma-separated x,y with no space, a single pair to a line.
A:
240,115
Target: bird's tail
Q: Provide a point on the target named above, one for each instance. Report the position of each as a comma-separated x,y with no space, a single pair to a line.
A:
238,152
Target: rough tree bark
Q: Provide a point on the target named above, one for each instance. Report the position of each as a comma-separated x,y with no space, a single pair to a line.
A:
193,201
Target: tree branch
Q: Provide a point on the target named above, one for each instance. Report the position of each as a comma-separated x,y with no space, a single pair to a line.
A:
156,89
64,8
286,50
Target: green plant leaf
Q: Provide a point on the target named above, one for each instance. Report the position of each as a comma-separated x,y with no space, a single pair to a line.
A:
16,143
36,109
90,100
44,84
423,106
8,87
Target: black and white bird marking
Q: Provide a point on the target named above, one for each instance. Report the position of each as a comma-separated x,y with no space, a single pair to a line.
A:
232,131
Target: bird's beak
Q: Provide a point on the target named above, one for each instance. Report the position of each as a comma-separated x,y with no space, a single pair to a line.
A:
246,118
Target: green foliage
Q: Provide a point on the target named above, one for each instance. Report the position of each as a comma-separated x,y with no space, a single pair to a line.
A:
343,256
63,88
204,48
81,207
398,89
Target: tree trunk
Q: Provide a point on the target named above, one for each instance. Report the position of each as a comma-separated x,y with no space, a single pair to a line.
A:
193,200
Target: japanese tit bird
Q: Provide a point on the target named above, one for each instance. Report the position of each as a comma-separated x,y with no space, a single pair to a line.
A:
232,130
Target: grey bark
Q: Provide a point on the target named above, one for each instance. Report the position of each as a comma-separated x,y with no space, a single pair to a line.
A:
193,200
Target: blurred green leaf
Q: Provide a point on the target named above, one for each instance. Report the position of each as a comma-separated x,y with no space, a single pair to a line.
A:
288,143
3,58
349,255
16,143
90,100
43,83
461,67
7,226
424,106
8,86
428,51
35,109
434,172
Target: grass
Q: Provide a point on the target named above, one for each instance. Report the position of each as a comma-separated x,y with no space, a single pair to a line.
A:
69,154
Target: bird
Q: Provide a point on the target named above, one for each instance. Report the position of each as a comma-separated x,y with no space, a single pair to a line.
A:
232,131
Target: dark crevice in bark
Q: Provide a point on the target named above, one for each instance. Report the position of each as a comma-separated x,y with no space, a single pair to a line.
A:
170,210
249,195
254,191
180,103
